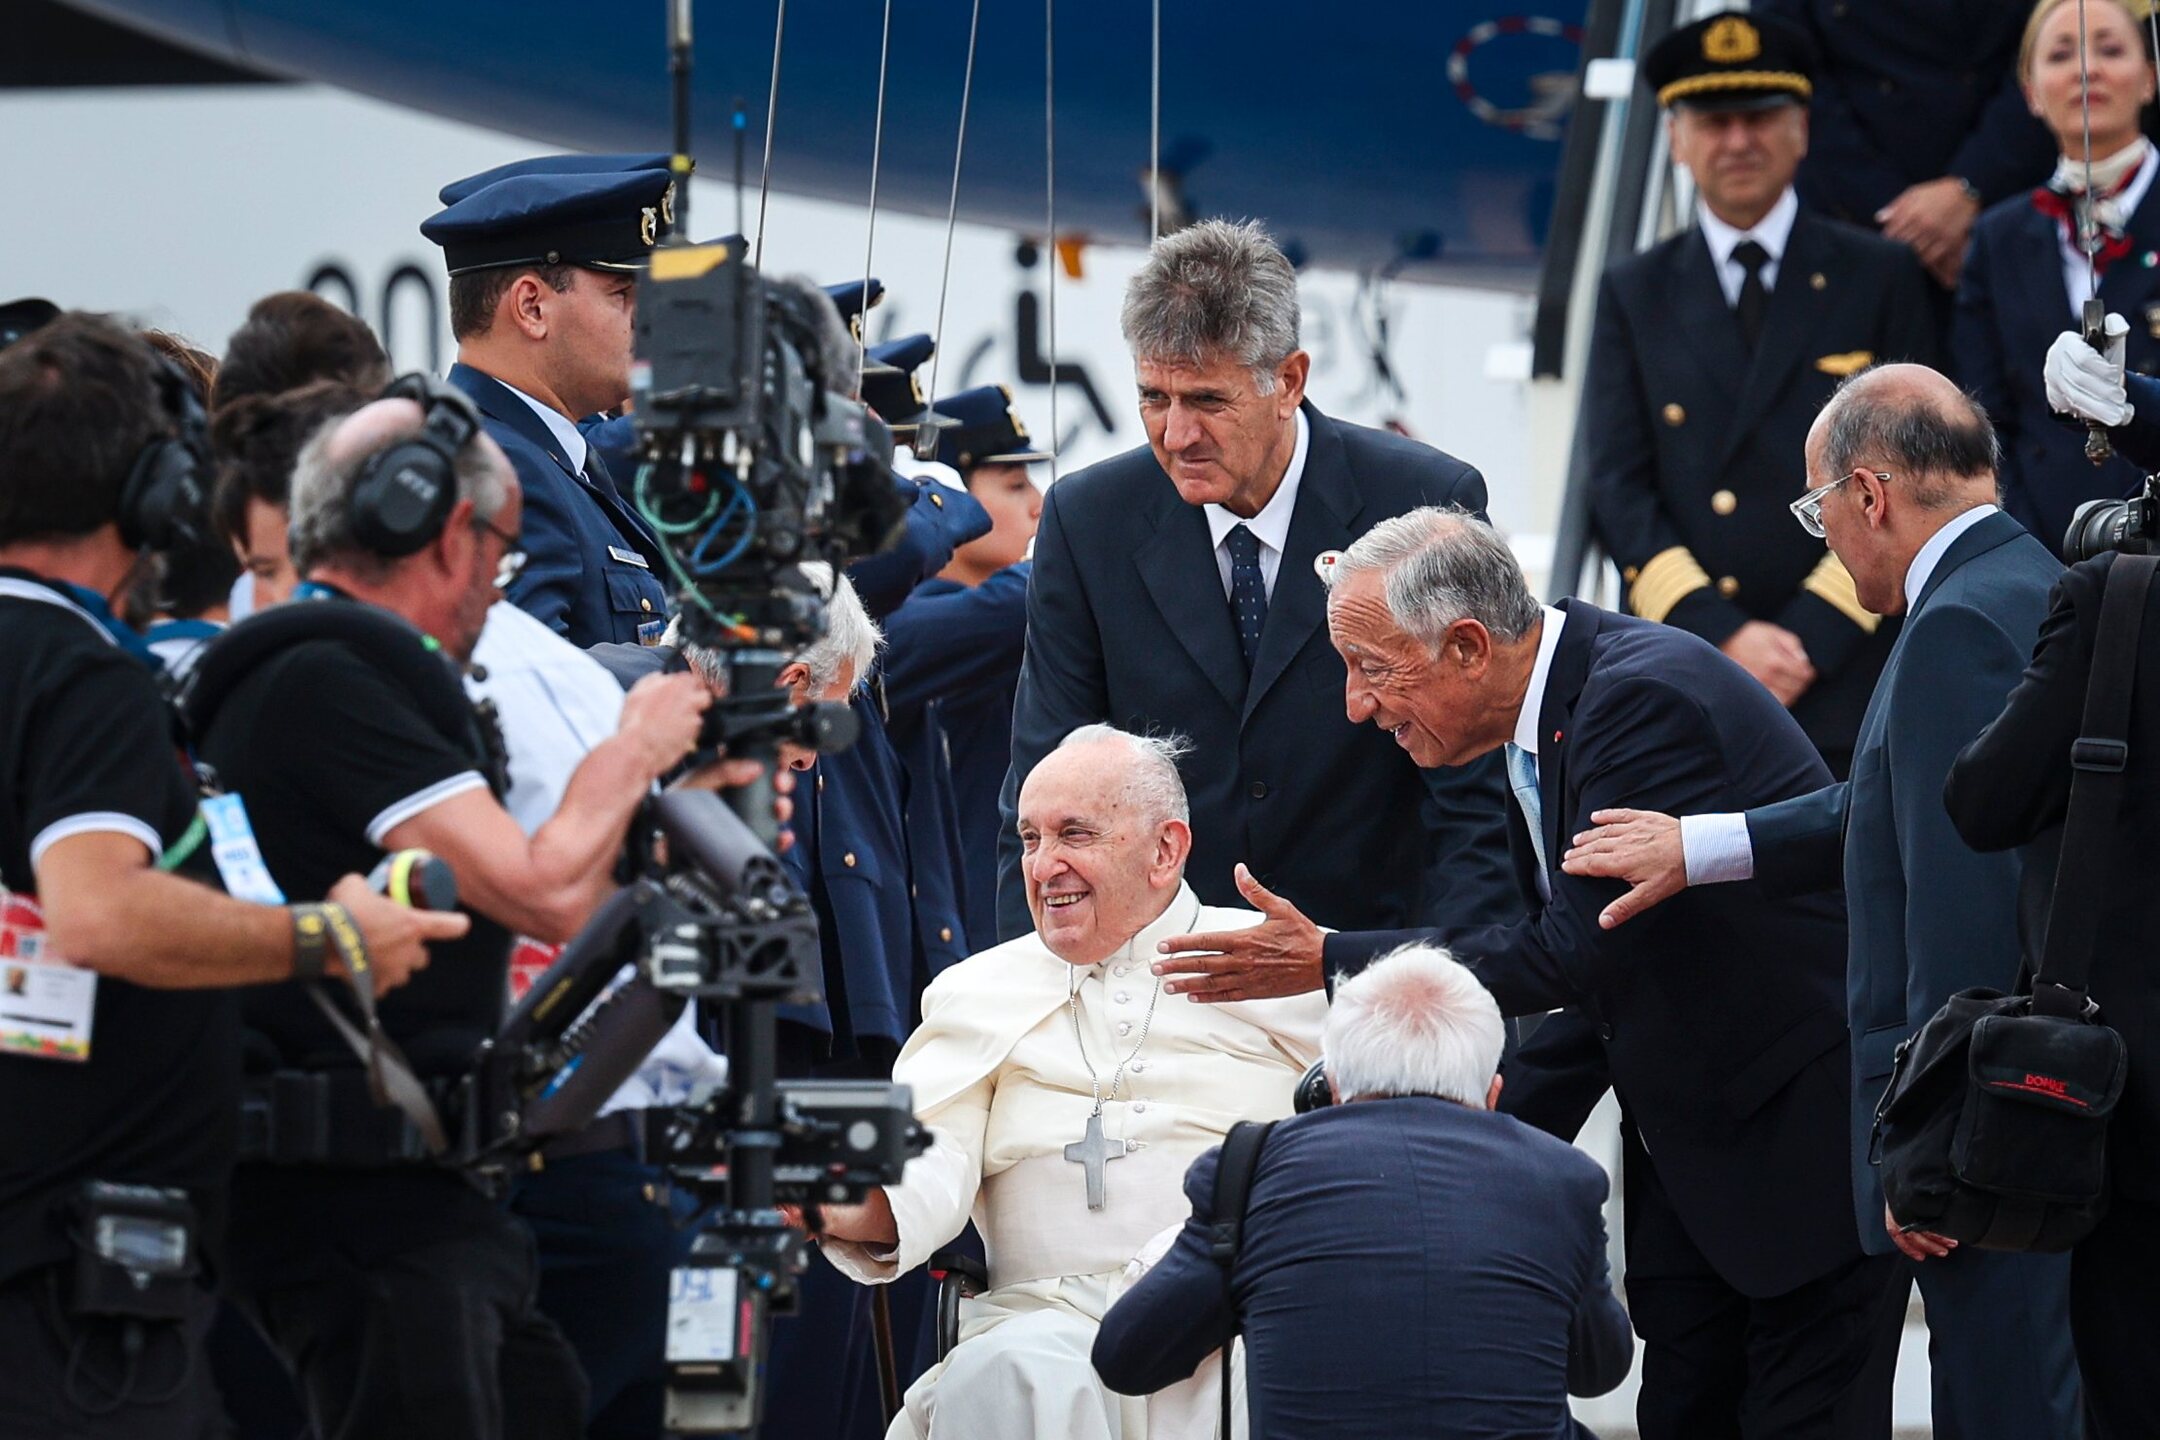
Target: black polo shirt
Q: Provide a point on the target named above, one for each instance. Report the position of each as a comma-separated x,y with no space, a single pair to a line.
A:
329,754
86,746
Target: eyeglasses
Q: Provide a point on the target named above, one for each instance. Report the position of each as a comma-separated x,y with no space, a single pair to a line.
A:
513,556
1808,508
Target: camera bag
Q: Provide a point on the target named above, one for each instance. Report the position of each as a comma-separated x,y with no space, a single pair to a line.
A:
1993,1131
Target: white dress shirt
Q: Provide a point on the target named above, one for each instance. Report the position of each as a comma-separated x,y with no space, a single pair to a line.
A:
1533,708
1773,232
1716,848
561,426
555,703
1271,527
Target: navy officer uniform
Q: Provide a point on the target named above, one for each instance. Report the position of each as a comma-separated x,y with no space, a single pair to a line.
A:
1696,434
953,664
594,568
1910,91
2023,286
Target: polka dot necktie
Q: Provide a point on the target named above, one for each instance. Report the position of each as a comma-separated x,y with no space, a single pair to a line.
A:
1248,592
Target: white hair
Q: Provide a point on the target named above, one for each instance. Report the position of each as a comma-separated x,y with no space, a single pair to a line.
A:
321,527
1440,564
1414,1022
851,636
1153,782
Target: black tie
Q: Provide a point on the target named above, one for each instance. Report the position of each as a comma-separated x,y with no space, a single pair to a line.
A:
1248,592
1753,297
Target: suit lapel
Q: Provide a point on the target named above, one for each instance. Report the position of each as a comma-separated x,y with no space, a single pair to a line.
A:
1990,533
1327,503
1563,687
2034,256
1177,565
1701,314
1788,325
2129,283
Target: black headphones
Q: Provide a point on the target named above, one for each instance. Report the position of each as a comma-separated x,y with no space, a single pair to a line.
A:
403,496
163,503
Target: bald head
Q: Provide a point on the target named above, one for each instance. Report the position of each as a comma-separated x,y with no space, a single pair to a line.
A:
331,464
1913,422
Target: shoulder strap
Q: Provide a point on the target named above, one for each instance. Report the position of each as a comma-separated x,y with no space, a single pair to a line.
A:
1226,1212
2098,760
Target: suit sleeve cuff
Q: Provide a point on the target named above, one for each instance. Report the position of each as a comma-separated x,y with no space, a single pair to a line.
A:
1716,849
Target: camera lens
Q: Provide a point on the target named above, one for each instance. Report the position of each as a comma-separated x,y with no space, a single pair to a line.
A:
2096,527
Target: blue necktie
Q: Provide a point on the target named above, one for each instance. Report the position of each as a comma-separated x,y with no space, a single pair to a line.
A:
1523,780
1248,592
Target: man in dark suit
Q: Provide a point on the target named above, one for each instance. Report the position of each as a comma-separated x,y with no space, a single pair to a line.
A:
2009,788
1928,916
1711,353
1482,1303
1176,588
1720,1016
543,289
1917,121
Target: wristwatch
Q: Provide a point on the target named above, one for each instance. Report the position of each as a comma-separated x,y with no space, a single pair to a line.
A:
1972,192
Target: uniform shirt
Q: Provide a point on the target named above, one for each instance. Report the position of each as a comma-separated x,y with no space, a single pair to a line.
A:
1000,1081
1772,232
329,755
88,750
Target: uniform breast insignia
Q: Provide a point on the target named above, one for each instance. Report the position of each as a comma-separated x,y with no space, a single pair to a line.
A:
1849,363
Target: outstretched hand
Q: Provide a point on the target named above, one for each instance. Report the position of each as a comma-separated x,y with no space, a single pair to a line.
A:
1280,956
1640,847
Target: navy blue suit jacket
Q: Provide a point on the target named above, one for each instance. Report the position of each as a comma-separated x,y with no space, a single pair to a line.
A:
1913,90
593,571
2011,305
1473,1309
1721,1012
952,663
1928,916
1128,624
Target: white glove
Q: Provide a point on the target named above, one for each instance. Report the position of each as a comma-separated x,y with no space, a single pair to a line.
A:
905,463
2088,383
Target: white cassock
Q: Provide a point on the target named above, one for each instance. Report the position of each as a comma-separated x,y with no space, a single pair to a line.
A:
999,1080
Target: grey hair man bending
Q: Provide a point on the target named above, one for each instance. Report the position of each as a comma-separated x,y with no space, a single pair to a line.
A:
1482,1302
1176,589
1066,1095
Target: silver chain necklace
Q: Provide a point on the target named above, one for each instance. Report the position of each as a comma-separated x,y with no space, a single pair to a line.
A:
1117,1076
1093,1150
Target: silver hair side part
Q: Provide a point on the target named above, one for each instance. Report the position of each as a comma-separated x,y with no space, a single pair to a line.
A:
1414,1022
1154,783
1215,288
1441,564
321,525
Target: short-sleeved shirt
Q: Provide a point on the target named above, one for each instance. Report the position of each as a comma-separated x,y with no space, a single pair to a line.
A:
329,754
86,747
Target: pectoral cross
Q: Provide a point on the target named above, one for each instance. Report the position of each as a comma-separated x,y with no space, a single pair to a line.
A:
1091,1152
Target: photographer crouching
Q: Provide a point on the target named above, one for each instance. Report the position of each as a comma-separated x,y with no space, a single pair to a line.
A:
400,1294
119,1068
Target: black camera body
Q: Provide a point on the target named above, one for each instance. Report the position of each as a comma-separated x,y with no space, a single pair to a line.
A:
2131,526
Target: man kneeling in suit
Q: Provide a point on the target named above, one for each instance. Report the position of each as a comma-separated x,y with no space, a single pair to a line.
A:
1482,1302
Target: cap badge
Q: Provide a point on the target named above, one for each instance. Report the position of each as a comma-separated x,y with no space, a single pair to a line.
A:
649,225
667,205
1731,41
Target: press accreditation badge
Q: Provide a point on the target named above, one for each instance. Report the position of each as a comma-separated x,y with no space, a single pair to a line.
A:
239,859
46,1005
701,1314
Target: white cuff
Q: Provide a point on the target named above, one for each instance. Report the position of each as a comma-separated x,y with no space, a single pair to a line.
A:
393,815
1716,848
90,822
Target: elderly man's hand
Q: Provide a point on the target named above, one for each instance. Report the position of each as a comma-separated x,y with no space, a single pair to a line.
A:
1638,846
1916,1245
1279,956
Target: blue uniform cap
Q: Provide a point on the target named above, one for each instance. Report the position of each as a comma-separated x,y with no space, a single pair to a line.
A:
985,430
853,298
19,317
457,190
600,222
890,385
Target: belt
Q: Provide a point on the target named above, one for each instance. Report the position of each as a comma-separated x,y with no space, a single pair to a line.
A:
616,1130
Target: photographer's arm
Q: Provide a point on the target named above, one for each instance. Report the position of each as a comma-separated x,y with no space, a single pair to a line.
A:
108,909
548,885
899,1227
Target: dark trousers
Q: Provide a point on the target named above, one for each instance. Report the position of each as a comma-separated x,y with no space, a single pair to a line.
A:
66,1378
422,1329
1815,1363
2112,1321
609,1230
1999,1356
